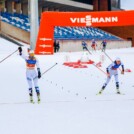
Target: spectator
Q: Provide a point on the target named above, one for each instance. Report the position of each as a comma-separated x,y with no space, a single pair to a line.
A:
57,46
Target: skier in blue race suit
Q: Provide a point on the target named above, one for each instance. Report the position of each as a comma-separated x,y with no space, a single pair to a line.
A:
104,44
84,45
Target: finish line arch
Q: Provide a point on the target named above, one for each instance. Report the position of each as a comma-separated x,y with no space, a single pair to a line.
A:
44,44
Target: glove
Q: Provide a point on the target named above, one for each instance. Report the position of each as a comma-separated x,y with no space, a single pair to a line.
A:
122,72
20,50
39,73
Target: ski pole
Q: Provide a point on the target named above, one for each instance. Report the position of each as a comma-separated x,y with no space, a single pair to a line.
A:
9,56
107,55
89,51
49,68
95,65
99,69
101,47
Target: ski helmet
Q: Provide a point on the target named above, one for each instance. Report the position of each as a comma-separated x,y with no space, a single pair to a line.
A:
118,59
31,53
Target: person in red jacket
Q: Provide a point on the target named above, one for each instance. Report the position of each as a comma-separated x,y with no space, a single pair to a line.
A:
94,45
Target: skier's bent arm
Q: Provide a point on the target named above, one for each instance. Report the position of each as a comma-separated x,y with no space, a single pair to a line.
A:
23,56
37,64
109,67
38,68
122,65
21,53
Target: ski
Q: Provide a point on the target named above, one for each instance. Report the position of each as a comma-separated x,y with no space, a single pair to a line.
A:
120,93
38,102
32,102
116,93
99,93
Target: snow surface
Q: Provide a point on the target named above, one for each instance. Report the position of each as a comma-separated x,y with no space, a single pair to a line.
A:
69,104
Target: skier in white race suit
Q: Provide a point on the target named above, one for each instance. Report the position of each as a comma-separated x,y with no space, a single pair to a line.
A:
112,70
31,74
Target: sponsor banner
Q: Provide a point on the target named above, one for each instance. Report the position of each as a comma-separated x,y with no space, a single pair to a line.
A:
107,18
95,19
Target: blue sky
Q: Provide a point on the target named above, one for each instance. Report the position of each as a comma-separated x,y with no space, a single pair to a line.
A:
127,4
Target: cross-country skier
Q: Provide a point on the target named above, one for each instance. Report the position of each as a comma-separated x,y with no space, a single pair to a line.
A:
94,44
112,70
31,74
104,44
84,45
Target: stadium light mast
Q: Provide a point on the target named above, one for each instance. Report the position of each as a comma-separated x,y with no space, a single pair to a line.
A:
34,22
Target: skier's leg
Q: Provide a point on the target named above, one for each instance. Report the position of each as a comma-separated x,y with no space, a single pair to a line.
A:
104,48
83,48
30,89
117,83
94,48
35,80
55,49
37,88
29,81
106,83
38,93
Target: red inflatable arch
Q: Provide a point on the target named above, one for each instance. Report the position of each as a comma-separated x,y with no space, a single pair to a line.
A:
49,20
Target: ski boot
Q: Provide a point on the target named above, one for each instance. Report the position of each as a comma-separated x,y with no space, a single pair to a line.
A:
31,95
117,88
31,100
100,92
102,89
118,91
38,94
38,99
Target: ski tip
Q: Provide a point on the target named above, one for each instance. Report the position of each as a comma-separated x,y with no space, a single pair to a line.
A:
120,93
98,94
38,102
32,102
